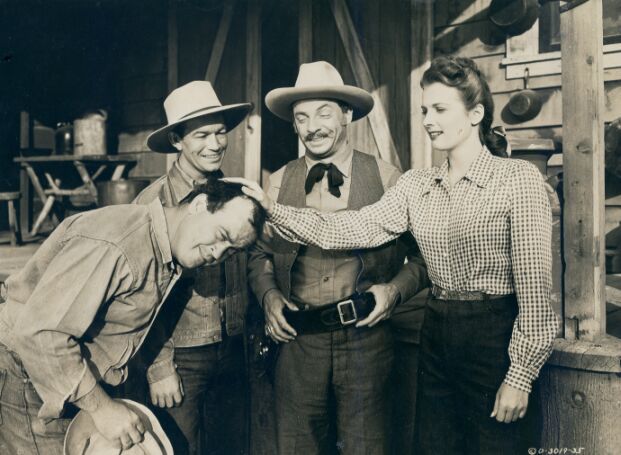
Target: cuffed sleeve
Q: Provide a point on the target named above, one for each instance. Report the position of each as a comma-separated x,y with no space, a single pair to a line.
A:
164,364
531,258
412,277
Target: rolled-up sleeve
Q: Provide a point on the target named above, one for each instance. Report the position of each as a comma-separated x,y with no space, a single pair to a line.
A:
531,258
72,292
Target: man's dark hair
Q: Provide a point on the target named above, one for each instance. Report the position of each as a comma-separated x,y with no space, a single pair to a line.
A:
219,193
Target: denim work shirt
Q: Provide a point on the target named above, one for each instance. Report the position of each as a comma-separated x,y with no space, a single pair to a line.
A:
206,299
82,305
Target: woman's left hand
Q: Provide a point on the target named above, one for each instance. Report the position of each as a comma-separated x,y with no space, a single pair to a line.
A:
510,405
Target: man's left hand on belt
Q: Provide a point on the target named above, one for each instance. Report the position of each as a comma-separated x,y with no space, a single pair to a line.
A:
386,297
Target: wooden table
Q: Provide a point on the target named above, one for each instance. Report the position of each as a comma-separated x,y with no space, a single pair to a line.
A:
54,169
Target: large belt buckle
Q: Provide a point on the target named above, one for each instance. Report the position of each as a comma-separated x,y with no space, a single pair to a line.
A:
342,316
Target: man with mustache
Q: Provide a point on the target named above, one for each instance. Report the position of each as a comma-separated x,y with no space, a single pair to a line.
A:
201,366
327,308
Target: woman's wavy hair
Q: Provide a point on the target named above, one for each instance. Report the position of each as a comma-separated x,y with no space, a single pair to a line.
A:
464,75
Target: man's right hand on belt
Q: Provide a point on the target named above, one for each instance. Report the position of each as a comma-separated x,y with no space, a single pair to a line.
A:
276,325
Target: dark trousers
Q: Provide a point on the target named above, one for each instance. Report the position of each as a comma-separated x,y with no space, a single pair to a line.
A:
346,371
214,402
464,359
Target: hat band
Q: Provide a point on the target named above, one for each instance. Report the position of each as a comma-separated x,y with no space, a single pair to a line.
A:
197,111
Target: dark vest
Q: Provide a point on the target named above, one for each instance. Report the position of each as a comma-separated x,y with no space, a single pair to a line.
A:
379,265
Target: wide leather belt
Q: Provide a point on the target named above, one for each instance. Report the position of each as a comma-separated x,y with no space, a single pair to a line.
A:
448,294
331,317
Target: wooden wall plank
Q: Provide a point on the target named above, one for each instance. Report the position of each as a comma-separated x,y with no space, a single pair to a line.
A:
472,39
220,42
394,75
490,66
252,143
421,29
231,88
172,61
583,163
377,117
551,114
143,114
452,12
144,87
305,42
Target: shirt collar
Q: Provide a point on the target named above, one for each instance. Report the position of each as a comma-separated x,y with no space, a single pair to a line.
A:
479,172
182,184
160,229
342,160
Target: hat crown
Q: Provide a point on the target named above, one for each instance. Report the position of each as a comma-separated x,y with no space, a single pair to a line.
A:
318,74
190,98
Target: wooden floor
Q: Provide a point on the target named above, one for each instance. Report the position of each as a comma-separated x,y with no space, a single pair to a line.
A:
13,258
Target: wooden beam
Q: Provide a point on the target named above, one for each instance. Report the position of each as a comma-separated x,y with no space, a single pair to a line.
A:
421,32
377,117
252,137
220,42
305,43
583,167
173,61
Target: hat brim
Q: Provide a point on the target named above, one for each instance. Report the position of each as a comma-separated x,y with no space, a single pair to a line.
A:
233,115
280,101
82,428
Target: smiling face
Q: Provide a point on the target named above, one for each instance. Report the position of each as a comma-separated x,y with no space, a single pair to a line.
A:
202,145
321,126
448,122
205,238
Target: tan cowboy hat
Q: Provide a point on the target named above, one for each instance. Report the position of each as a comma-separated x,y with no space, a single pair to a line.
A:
192,100
82,437
318,80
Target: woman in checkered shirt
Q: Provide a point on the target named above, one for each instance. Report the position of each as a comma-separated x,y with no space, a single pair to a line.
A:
483,223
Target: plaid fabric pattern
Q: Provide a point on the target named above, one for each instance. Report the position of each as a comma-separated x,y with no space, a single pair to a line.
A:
490,232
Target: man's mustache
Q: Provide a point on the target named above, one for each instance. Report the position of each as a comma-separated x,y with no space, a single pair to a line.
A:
313,136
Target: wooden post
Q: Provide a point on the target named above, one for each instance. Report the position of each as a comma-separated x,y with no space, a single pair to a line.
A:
305,43
583,169
26,201
252,140
421,30
220,42
173,67
377,117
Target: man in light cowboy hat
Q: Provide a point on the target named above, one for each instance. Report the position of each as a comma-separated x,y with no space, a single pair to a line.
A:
327,308
205,368
83,304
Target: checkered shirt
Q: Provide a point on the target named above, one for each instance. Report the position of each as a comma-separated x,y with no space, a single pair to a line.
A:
490,232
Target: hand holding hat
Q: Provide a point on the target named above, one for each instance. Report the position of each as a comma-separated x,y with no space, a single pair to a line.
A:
82,437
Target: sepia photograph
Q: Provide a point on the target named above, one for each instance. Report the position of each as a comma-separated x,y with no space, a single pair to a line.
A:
310,227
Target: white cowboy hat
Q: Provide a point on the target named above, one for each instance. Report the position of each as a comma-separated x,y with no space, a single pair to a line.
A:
192,100
82,438
318,80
